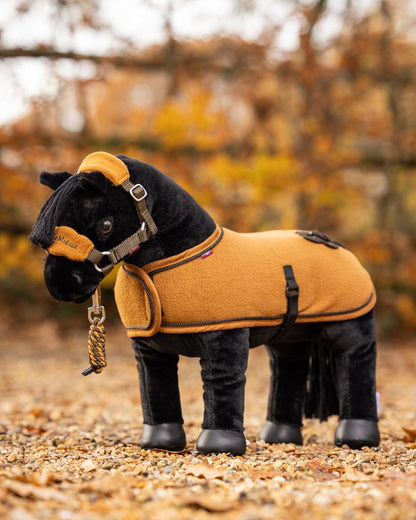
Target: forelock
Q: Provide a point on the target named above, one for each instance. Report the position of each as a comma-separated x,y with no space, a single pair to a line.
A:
43,229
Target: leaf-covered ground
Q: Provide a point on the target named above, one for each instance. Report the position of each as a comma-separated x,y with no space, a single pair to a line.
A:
69,445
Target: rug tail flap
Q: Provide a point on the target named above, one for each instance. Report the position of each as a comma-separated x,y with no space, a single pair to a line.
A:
137,302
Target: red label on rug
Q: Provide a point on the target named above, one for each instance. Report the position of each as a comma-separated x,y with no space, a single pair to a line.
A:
207,254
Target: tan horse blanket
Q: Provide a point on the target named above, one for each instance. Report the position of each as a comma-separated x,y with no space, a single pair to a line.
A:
234,280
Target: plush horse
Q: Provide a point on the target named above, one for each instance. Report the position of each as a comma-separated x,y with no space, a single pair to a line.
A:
189,287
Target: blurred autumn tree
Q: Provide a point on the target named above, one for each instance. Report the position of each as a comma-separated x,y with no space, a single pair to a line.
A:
321,136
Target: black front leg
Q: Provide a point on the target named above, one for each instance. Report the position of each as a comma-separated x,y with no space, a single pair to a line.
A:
224,356
159,392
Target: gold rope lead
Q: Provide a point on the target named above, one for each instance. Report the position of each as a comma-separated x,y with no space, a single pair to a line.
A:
96,337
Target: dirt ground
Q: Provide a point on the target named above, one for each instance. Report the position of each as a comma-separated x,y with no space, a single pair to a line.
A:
69,444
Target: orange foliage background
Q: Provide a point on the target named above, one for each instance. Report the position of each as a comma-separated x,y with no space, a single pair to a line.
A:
322,137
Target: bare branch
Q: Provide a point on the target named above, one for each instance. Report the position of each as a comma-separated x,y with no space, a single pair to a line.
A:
52,54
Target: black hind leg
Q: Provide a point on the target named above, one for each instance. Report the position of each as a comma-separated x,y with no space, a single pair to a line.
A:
353,345
289,371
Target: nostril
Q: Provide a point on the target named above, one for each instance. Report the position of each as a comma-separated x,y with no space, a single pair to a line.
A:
77,277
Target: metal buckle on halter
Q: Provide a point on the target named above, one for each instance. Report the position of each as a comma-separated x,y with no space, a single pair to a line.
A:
108,267
138,199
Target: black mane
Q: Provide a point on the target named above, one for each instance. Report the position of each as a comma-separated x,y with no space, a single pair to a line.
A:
52,210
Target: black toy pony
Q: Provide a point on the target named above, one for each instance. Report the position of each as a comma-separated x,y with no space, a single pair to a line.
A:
189,287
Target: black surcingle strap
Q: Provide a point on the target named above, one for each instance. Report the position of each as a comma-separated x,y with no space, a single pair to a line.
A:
292,296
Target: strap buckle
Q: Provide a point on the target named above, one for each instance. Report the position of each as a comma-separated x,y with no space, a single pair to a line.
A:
292,287
292,291
142,197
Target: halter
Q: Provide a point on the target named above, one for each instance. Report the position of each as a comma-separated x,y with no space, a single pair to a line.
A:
74,246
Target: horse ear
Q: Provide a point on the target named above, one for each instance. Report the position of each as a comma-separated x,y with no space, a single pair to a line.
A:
53,180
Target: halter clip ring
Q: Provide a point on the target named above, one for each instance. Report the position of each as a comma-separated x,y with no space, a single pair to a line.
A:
106,268
96,311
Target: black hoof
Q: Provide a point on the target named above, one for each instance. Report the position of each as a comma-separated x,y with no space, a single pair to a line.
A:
221,441
166,436
274,433
357,433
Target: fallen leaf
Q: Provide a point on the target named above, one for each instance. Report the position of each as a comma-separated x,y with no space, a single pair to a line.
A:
109,485
410,434
88,466
39,413
28,429
263,474
204,471
45,476
24,490
352,475
212,502
316,465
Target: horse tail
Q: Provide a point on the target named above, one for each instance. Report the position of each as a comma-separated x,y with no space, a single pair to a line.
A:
322,395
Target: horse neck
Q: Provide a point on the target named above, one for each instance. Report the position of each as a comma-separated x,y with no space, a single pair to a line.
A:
182,223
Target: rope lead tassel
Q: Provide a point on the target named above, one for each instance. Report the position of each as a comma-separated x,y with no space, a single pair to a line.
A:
96,337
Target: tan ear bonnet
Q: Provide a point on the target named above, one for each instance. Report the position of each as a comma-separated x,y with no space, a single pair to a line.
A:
109,165
67,242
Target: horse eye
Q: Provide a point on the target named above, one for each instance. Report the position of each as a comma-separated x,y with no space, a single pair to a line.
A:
105,226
